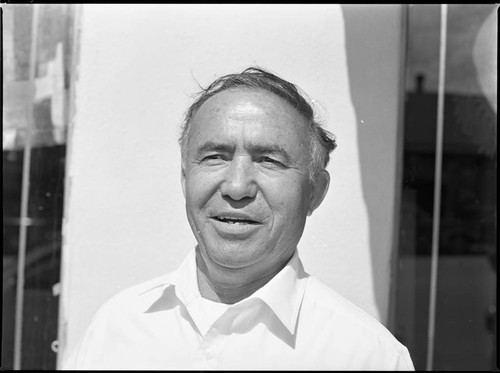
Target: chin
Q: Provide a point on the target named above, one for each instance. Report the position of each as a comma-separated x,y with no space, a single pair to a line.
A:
233,257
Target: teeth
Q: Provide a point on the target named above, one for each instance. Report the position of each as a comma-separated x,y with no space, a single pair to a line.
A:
233,221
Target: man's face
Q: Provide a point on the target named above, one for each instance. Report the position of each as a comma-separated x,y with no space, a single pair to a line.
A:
246,179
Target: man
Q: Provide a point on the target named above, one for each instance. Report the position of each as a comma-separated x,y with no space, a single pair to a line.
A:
253,169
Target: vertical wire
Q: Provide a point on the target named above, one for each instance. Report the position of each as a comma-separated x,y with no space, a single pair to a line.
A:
437,189
24,221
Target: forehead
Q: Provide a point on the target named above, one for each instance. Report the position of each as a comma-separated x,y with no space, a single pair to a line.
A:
245,97
249,105
249,119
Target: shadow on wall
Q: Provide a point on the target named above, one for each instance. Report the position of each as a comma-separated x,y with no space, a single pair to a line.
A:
373,34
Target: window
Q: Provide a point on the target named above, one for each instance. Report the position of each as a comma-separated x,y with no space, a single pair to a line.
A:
37,50
445,306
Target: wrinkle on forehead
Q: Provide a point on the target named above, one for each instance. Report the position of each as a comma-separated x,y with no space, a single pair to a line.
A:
241,104
247,106
245,109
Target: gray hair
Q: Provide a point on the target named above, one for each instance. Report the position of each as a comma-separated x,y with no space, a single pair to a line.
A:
321,143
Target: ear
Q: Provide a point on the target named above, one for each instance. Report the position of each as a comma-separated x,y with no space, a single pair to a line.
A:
183,181
319,189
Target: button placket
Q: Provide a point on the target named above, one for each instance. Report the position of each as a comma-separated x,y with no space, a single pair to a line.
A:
212,344
209,348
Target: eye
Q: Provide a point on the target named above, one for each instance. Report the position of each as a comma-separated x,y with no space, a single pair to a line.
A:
268,161
214,158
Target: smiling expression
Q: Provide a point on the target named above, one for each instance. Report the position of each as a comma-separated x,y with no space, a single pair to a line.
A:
246,179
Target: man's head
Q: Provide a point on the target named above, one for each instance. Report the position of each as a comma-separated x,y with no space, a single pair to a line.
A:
248,144
322,143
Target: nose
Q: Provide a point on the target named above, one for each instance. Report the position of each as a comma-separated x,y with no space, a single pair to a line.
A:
239,181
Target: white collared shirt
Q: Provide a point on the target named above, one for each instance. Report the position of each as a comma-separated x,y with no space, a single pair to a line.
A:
293,322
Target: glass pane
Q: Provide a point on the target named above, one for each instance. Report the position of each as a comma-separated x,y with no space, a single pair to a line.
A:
12,177
43,250
39,104
417,198
465,315
16,52
465,301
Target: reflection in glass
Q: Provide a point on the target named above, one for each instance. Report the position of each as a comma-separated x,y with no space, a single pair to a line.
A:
37,44
465,314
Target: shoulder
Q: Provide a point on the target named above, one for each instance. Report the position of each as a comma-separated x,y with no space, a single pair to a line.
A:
136,298
126,308
344,326
121,319
327,301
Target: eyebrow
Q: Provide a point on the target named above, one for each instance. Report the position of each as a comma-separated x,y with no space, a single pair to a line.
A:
272,149
211,146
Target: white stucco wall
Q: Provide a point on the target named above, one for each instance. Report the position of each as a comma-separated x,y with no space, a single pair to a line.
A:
138,65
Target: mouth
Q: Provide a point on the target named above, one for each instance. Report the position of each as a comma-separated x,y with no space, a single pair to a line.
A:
235,220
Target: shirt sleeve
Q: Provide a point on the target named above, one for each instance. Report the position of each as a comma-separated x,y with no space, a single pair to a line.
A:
402,361
70,362
91,341
77,356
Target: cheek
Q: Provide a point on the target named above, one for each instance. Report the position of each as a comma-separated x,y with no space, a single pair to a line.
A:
289,202
199,189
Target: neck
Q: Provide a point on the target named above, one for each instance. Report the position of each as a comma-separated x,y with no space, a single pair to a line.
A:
228,285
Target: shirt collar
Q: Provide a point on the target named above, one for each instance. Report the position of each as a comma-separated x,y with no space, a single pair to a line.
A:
283,293
185,279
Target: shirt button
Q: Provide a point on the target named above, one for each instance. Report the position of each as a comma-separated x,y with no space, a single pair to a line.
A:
209,354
